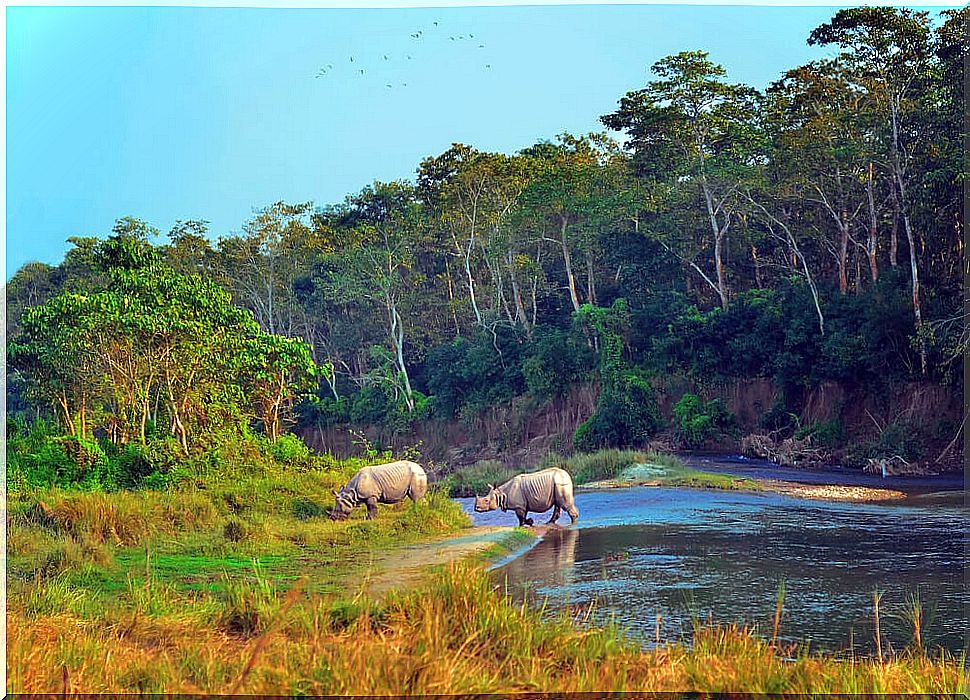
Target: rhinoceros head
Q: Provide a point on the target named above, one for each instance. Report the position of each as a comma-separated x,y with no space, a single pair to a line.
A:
487,502
343,505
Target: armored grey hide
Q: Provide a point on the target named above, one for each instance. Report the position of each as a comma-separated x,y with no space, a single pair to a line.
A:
383,483
536,492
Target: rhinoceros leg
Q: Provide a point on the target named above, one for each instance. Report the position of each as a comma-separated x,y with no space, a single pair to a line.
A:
521,513
371,504
556,512
573,512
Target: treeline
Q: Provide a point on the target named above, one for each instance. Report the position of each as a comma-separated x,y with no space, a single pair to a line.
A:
806,233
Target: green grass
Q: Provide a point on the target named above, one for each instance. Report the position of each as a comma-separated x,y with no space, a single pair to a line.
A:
515,539
474,480
619,466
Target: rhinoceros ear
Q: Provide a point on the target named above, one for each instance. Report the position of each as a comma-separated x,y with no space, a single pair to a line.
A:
335,492
490,487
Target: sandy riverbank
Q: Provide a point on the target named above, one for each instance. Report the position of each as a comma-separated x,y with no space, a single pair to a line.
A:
410,565
823,492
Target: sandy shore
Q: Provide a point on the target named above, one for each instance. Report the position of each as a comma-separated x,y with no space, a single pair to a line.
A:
409,565
821,492
829,492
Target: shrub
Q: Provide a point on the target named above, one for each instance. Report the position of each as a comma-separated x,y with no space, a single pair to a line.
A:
830,433
483,371
556,360
288,449
234,531
699,422
626,414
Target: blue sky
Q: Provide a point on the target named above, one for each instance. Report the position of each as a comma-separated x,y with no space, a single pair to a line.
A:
172,113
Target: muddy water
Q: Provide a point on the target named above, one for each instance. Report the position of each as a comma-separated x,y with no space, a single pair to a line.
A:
687,553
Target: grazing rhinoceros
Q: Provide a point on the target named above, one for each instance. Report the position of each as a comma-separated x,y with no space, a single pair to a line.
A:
383,483
536,492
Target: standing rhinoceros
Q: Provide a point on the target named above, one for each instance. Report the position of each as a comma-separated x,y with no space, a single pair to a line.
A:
536,492
383,483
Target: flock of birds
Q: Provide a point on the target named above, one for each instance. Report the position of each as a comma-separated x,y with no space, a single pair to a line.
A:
417,36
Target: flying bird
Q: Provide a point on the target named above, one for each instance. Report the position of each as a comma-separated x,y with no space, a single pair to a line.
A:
481,46
351,59
435,24
409,58
487,65
388,85
361,71
385,57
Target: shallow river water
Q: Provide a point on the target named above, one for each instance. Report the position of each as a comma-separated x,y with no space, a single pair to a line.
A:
722,555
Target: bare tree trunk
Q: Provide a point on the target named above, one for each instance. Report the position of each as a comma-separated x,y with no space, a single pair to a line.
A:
858,273
894,235
397,339
451,300
843,251
719,234
899,173
520,316
68,419
757,267
871,242
570,279
590,279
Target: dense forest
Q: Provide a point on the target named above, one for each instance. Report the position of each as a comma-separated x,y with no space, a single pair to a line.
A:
806,234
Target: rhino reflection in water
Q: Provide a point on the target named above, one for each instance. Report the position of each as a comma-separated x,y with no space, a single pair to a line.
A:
383,483
536,492
552,562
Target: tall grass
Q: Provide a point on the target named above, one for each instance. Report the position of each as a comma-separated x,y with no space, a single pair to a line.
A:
474,480
455,635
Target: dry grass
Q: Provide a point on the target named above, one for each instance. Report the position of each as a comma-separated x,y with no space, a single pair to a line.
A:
457,635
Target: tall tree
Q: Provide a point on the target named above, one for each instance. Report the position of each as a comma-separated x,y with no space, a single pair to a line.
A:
887,52
692,127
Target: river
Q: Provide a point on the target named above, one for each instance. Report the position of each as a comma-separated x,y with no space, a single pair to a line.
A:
722,555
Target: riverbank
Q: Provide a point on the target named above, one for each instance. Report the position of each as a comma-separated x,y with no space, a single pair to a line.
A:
677,475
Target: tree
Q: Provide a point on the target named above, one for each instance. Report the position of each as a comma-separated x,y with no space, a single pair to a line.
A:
578,190
278,370
887,52
379,270
692,128
153,346
473,196
277,247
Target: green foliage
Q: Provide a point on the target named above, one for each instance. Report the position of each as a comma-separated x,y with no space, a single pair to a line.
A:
829,434
556,359
699,421
596,466
475,373
626,413
288,449
900,438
